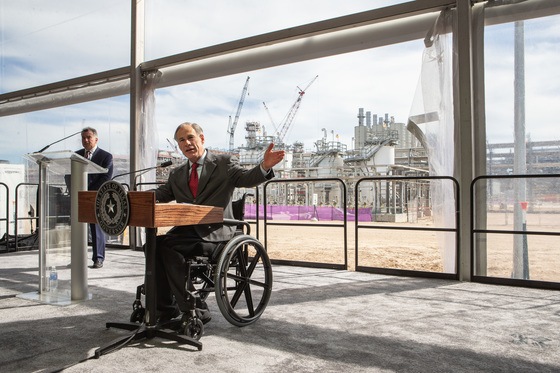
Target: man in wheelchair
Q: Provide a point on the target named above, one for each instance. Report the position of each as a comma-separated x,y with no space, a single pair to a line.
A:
206,179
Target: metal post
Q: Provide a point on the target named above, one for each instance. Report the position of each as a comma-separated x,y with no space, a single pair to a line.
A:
41,226
136,58
78,249
520,157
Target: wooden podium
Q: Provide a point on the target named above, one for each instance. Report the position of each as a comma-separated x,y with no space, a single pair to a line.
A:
145,212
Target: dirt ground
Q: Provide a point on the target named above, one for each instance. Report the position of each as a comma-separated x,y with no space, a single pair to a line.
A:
323,242
417,250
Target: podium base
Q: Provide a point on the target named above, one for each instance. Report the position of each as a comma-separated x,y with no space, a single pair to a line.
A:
143,332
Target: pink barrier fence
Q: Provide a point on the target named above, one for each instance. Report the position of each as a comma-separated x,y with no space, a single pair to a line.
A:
321,213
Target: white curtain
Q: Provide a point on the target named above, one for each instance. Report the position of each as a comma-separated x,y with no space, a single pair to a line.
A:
431,121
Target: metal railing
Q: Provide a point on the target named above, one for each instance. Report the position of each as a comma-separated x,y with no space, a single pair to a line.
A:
30,218
480,229
406,272
312,225
7,218
13,242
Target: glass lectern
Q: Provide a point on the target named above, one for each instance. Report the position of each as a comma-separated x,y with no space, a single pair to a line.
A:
63,163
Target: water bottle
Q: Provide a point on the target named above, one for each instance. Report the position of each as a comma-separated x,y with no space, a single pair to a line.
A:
53,279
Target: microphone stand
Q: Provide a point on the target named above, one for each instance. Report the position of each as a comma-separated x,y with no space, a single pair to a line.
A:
139,175
143,171
48,146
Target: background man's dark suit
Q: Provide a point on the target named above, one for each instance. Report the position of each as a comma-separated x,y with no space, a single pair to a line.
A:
104,159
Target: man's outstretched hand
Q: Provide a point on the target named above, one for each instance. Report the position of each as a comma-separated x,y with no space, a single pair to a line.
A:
272,157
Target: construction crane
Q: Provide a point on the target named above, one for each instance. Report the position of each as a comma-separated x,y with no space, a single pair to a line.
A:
285,125
231,126
173,146
270,117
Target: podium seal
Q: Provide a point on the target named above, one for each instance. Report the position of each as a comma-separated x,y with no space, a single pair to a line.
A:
112,209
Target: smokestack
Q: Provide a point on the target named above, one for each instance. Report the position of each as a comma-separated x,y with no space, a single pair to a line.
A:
361,116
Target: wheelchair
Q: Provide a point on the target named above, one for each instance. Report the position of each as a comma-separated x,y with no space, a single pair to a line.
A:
238,272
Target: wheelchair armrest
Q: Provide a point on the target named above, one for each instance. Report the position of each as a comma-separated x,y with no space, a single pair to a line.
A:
232,222
243,225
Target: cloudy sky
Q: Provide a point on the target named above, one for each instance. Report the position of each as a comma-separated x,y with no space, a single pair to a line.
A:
68,38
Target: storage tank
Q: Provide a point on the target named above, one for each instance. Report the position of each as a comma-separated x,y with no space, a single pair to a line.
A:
384,157
330,166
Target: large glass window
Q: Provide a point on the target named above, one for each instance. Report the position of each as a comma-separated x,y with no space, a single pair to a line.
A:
528,84
380,81
47,41
340,108
31,132
349,99
518,224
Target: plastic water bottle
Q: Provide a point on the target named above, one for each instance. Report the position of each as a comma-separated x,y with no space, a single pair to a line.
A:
53,279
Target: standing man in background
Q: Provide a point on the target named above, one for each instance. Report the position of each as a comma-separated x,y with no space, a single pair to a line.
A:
104,159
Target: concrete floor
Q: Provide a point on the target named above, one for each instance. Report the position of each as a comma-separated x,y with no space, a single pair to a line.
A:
317,321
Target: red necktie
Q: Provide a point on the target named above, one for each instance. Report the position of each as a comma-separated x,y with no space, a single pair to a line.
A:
193,181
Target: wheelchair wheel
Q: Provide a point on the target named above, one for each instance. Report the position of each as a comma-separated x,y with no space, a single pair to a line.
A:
193,328
138,312
243,280
138,315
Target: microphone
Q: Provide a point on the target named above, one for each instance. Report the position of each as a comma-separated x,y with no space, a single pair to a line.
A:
57,141
144,170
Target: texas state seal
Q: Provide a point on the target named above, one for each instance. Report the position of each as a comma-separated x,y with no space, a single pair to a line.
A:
112,208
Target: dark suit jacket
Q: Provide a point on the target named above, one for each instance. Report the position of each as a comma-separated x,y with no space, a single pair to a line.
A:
104,159
221,174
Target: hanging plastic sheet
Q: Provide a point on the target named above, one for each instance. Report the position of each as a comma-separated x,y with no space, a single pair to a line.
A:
431,121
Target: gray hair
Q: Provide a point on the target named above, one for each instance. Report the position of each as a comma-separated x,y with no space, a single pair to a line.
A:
90,129
194,126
